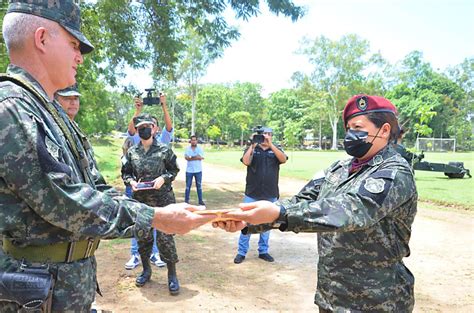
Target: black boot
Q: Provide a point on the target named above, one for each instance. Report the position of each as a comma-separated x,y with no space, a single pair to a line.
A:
144,276
173,283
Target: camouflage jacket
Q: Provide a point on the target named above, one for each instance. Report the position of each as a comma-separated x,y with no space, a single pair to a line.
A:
99,180
145,166
364,223
47,189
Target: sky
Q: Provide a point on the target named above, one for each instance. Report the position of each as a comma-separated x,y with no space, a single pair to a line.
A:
443,30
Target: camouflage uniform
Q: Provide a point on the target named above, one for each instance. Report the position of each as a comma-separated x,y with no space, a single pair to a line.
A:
99,180
364,223
48,194
141,165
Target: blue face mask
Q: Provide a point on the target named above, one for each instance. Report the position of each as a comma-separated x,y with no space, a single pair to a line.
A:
355,142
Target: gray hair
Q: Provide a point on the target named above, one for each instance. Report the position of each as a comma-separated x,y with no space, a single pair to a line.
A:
18,27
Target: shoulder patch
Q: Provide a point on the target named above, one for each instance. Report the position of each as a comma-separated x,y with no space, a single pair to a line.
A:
52,148
374,185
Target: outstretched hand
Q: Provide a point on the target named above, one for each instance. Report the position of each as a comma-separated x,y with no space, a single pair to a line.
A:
230,226
259,212
178,218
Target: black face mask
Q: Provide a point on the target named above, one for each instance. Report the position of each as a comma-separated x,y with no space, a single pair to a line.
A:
355,142
144,133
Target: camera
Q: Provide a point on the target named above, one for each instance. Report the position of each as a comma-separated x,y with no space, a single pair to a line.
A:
149,99
258,136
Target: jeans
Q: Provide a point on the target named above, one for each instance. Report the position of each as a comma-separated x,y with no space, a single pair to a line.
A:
134,247
189,182
245,239
128,191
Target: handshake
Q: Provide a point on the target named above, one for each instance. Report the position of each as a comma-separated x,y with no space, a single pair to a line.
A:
181,218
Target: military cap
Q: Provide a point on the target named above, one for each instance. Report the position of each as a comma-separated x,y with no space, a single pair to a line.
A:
364,104
65,12
143,119
69,91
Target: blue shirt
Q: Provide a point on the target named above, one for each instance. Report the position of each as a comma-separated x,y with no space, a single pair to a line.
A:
194,166
164,137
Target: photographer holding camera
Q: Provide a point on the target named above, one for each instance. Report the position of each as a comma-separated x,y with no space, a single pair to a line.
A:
263,160
164,135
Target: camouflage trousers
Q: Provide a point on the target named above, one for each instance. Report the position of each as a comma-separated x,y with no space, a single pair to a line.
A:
165,242
74,288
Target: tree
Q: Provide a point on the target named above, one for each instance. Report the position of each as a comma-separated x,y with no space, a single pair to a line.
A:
283,106
242,119
315,115
214,133
292,133
430,103
139,33
463,125
193,65
3,49
338,71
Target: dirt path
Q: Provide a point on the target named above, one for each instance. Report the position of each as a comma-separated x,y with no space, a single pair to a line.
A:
442,261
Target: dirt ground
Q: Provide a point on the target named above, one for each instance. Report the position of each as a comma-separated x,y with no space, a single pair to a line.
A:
442,261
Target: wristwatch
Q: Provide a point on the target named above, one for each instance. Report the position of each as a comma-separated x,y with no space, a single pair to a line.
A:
281,222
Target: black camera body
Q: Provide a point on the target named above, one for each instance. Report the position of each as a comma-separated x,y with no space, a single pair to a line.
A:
149,99
258,136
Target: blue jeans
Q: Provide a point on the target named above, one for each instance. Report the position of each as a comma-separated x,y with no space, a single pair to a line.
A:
245,239
128,191
134,247
189,182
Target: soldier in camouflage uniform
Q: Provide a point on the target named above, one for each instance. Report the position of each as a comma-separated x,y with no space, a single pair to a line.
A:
51,213
68,98
152,161
362,209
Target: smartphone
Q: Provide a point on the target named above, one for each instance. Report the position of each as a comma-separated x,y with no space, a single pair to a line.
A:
144,185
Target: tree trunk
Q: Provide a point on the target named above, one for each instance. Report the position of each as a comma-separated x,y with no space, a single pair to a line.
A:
193,112
320,138
241,138
334,134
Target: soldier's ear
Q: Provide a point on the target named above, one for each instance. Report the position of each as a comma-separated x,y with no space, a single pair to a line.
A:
40,38
385,131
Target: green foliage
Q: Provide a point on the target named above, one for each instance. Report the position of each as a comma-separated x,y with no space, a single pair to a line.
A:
3,49
214,132
215,105
431,103
182,133
242,119
283,107
338,68
137,33
181,38
107,153
292,133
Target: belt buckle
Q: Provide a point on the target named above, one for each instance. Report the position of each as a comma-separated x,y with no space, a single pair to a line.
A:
90,246
70,251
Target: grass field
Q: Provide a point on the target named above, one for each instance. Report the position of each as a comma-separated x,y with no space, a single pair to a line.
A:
108,152
432,186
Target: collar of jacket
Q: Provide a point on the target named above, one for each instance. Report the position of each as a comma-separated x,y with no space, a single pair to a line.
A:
23,75
155,143
382,155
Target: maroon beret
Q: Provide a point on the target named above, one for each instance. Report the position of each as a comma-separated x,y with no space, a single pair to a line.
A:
364,104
